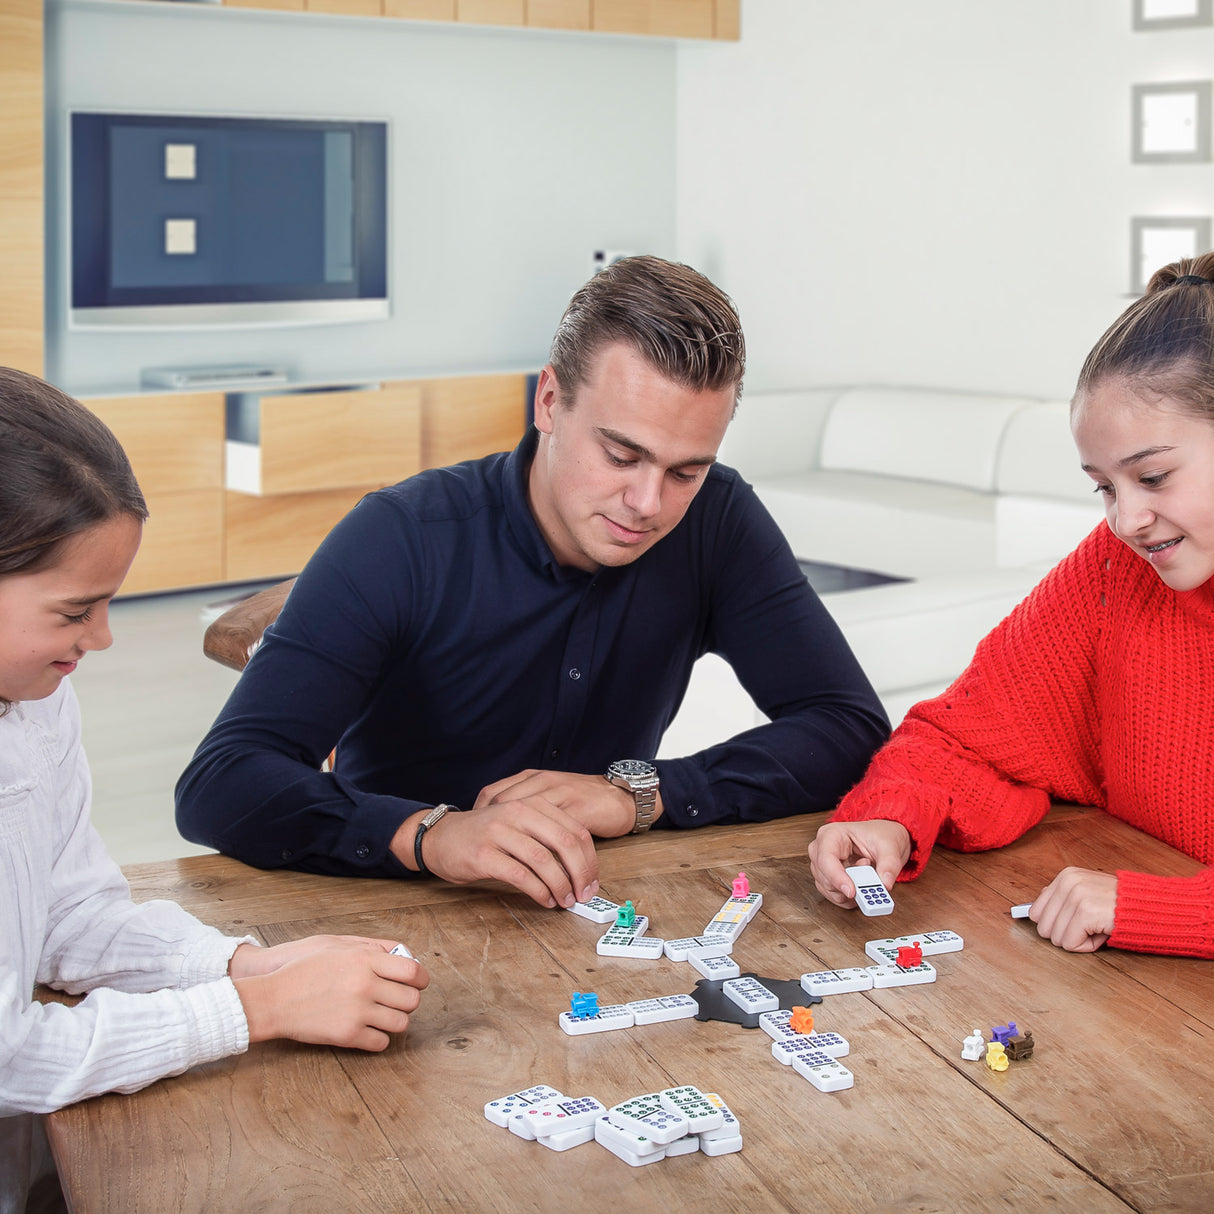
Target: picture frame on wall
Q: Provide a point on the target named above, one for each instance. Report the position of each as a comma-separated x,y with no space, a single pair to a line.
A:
1170,123
1157,240
1172,14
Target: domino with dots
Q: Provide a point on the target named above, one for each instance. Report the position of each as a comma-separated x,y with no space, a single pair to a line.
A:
871,895
715,967
687,947
561,1114
647,1115
932,943
823,1071
837,982
597,910
788,1049
501,1110
633,1148
895,975
691,1103
750,995
614,1016
566,1139
663,1008
730,1126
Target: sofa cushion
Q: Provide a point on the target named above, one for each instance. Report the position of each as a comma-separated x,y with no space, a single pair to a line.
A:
1037,455
889,525
775,433
948,437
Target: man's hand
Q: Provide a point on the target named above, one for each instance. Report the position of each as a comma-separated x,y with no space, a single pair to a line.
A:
1075,911
604,809
884,844
531,844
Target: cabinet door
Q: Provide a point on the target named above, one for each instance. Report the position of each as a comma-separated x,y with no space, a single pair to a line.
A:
728,20
309,441
667,18
21,185
175,445
291,6
471,416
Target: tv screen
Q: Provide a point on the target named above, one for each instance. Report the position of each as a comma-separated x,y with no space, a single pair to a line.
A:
225,221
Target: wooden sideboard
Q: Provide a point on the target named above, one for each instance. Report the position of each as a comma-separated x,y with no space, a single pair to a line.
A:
319,453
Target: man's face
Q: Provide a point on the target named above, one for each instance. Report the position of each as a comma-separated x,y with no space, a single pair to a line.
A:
617,466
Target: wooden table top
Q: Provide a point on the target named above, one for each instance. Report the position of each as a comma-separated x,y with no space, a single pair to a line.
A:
1112,1113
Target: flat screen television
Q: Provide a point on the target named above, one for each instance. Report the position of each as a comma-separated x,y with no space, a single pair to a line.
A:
191,220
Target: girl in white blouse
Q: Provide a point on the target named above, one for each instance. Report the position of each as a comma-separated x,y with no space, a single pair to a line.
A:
165,991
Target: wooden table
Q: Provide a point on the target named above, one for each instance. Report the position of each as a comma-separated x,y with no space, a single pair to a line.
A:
1113,1113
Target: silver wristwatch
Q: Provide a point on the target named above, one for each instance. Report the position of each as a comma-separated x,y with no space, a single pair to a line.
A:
640,779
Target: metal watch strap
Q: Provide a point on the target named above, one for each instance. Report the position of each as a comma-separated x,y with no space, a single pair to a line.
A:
434,816
646,801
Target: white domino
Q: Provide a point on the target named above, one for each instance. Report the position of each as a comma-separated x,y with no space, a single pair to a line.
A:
633,1148
728,929
501,1110
647,1115
597,910
837,982
715,967
823,1071
871,895
401,951
788,1049
1021,911
640,948
666,1007
750,995
568,1138
932,944
730,1126
614,1016
896,975
562,1114
691,1103
698,946
689,1144
721,1146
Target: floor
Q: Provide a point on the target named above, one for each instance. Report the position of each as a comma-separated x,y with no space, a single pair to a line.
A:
146,704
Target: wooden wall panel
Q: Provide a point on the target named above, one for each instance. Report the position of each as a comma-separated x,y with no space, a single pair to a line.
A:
665,18
470,416
21,261
346,8
423,10
290,6
559,14
727,22
491,12
173,442
269,537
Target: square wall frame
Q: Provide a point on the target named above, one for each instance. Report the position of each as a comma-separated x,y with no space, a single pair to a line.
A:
1170,123
1157,240
1172,14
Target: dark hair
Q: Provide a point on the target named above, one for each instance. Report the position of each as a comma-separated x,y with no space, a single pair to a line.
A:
676,319
1164,342
61,471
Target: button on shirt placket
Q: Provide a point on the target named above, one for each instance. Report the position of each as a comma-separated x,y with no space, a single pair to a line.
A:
577,669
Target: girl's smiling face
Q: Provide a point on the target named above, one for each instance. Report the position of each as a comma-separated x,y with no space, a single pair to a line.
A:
1153,463
51,618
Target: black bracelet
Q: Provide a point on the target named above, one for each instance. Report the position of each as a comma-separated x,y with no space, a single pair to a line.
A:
435,816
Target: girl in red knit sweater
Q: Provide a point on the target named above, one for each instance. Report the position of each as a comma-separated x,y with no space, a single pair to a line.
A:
1099,687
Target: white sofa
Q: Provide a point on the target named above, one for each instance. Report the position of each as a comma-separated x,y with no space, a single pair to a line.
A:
971,496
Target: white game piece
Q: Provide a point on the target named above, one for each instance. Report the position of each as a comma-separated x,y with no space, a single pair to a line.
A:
501,1110
775,1023
750,995
597,910
617,932
823,1072
519,1125
401,951
616,1139
721,1146
614,1016
931,943
647,1115
665,1007
729,929
871,896
837,982
563,1113
689,1101
1021,911
896,975
566,1139
973,1047
730,1128
715,967
698,946
641,948
689,1144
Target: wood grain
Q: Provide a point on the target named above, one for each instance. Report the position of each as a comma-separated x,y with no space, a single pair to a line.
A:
559,14
469,416
426,10
1106,1115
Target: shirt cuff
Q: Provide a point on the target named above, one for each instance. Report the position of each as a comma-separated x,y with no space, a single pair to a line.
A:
218,1024
208,959
1170,915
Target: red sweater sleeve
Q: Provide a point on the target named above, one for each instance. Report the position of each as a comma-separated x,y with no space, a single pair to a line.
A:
979,765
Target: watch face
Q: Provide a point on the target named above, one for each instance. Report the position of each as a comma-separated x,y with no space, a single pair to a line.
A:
633,769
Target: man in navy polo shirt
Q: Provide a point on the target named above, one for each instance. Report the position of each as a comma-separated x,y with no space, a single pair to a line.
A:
512,636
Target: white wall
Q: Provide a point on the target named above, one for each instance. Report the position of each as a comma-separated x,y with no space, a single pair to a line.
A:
933,193
514,155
